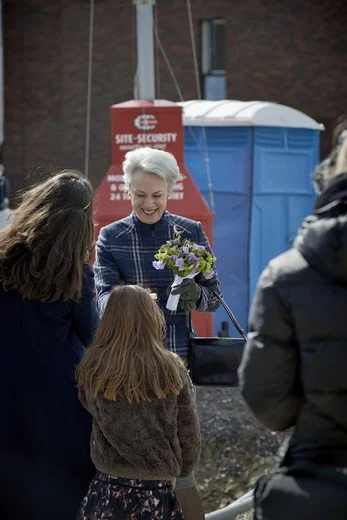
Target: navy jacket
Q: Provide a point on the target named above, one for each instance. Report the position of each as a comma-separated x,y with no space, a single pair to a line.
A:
124,254
44,437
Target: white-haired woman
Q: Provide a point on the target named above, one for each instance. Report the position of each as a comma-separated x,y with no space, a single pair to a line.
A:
125,251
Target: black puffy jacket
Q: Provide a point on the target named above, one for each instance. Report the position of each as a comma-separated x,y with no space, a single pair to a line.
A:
294,368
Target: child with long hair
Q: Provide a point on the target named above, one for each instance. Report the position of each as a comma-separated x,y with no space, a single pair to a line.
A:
145,426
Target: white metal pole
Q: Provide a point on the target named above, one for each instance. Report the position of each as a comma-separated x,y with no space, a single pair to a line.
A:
145,50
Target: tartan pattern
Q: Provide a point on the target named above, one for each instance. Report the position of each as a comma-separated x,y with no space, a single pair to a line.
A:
124,254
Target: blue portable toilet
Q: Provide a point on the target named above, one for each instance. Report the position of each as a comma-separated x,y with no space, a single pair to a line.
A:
253,162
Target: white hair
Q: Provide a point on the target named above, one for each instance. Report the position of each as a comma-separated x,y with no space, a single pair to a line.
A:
151,160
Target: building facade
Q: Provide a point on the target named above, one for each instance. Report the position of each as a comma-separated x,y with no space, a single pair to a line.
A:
290,52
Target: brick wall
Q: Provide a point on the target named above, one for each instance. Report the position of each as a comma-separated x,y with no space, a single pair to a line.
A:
291,52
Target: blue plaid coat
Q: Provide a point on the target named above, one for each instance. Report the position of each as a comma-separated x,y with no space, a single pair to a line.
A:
124,254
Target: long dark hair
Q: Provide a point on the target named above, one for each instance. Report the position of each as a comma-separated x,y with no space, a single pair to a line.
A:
127,357
43,249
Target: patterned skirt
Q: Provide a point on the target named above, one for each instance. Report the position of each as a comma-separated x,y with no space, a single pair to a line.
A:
115,498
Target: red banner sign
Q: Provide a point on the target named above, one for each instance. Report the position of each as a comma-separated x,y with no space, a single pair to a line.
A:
141,123
157,124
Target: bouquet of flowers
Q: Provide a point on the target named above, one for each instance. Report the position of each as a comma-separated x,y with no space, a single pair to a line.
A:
186,259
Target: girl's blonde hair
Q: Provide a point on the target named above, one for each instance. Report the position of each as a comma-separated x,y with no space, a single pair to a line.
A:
127,356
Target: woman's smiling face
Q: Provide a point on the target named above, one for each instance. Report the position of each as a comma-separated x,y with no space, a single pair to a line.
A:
148,194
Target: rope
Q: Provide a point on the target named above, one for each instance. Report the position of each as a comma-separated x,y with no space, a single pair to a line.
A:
179,92
133,52
166,59
157,64
204,150
192,37
203,131
208,169
89,88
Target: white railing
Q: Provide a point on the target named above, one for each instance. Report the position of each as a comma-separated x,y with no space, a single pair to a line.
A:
241,505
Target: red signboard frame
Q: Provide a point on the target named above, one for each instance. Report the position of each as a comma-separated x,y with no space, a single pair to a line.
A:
157,124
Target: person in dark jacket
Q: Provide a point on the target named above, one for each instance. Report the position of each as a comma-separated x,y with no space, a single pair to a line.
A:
293,371
125,252
47,317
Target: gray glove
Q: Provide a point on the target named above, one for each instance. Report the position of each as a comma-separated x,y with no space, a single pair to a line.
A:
190,294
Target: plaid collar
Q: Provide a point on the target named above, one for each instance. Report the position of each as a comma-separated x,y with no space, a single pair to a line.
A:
147,229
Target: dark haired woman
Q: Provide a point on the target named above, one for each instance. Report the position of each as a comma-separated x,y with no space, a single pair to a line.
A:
47,317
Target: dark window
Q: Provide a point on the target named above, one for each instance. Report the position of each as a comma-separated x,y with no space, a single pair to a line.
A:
213,59
213,46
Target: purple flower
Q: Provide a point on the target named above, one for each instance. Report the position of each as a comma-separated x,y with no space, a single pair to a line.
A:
197,247
180,264
158,265
192,258
185,250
